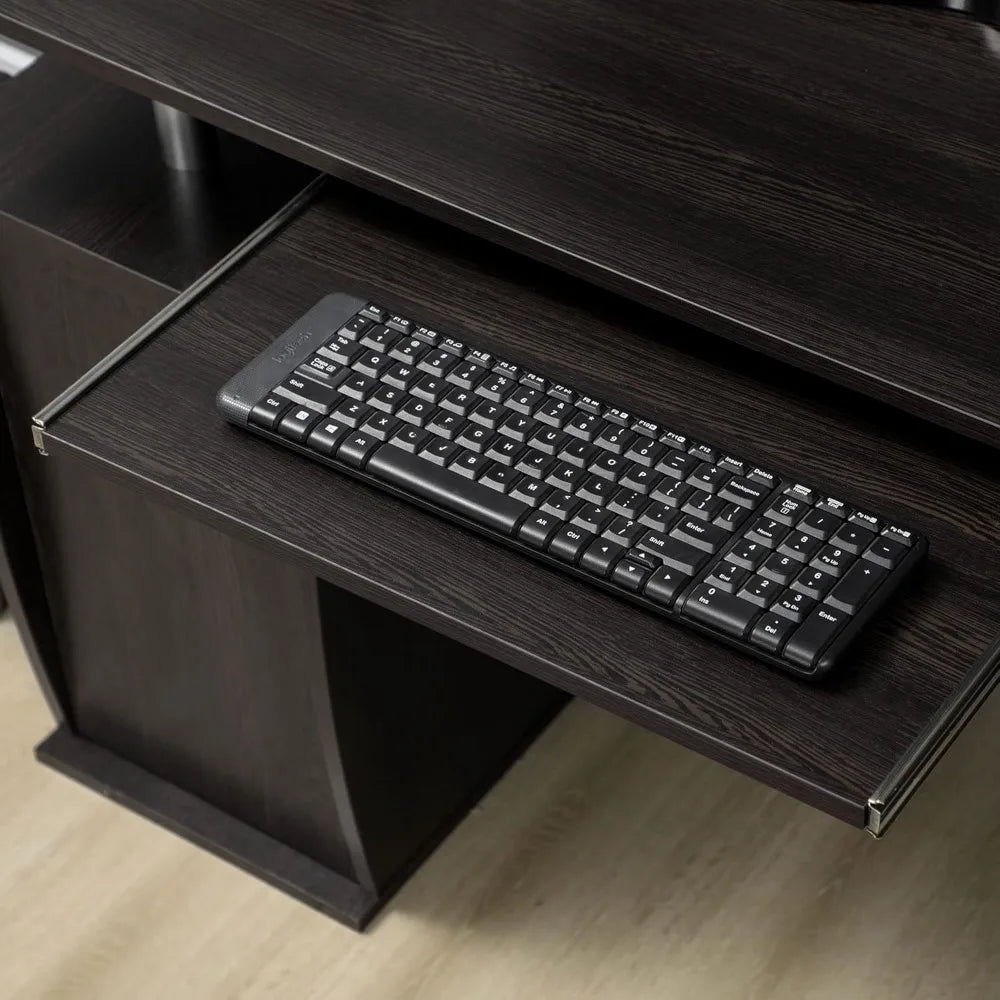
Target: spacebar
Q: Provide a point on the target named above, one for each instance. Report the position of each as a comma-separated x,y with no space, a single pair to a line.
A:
447,489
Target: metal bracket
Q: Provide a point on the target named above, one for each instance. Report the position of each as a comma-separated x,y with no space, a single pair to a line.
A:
41,420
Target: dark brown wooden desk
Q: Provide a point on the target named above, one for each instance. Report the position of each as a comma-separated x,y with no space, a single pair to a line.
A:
817,179
767,170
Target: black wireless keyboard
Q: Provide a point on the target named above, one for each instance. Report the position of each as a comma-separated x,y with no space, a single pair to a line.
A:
774,566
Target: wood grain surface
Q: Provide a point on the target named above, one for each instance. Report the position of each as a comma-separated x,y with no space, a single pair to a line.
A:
607,864
818,179
80,160
152,422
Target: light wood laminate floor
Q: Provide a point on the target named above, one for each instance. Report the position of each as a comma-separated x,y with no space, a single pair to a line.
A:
607,863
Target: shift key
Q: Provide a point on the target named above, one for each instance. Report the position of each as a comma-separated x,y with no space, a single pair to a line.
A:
714,607
673,552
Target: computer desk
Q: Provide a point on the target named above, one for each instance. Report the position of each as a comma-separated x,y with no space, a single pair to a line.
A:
773,224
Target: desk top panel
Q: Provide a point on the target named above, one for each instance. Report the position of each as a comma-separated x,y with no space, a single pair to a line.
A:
817,179
153,421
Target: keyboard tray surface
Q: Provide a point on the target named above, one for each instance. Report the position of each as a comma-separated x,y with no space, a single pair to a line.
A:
153,421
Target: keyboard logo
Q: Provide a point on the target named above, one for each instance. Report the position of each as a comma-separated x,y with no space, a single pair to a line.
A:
291,349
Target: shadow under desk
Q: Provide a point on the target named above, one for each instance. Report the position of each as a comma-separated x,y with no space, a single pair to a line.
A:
855,746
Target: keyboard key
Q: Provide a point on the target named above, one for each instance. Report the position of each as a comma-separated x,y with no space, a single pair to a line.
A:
415,411
833,506
744,492
410,439
709,478
460,401
437,363
380,338
554,412
769,533
699,534
730,517
437,451
640,479
387,398
358,387
671,495
356,447
833,561
534,381
747,554
500,478
624,531
809,640
504,450
380,426
615,415
793,605
608,466
861,581
561,505
538,528
508,369
597,490
647,428
703,452
375,312
467,375
453,346
800,546
351,413
771,632
401,376
570,542
628,503
496,387
444,424
813,583
664,584
629,575
885,552
786,510
469,464
430,388
356,327
547,440
325,437
676,465
601,556
781,569
819,523
703,506
592,517
524,400
646,452
566,477
488,414
323,370
658,516
426,335
865,520
341,350
401,323
442,487
589,404
475,438
720,610
534,463
614,439
269,411
307,393
675,440
530,491
728,576
585,426
578,453
674,553
408,351
297,423
852,538
760,590
518,427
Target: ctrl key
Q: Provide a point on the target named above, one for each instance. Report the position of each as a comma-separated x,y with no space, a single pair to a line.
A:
814,635
714,607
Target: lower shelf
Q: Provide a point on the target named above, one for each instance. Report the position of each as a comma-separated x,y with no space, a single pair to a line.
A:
195,820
